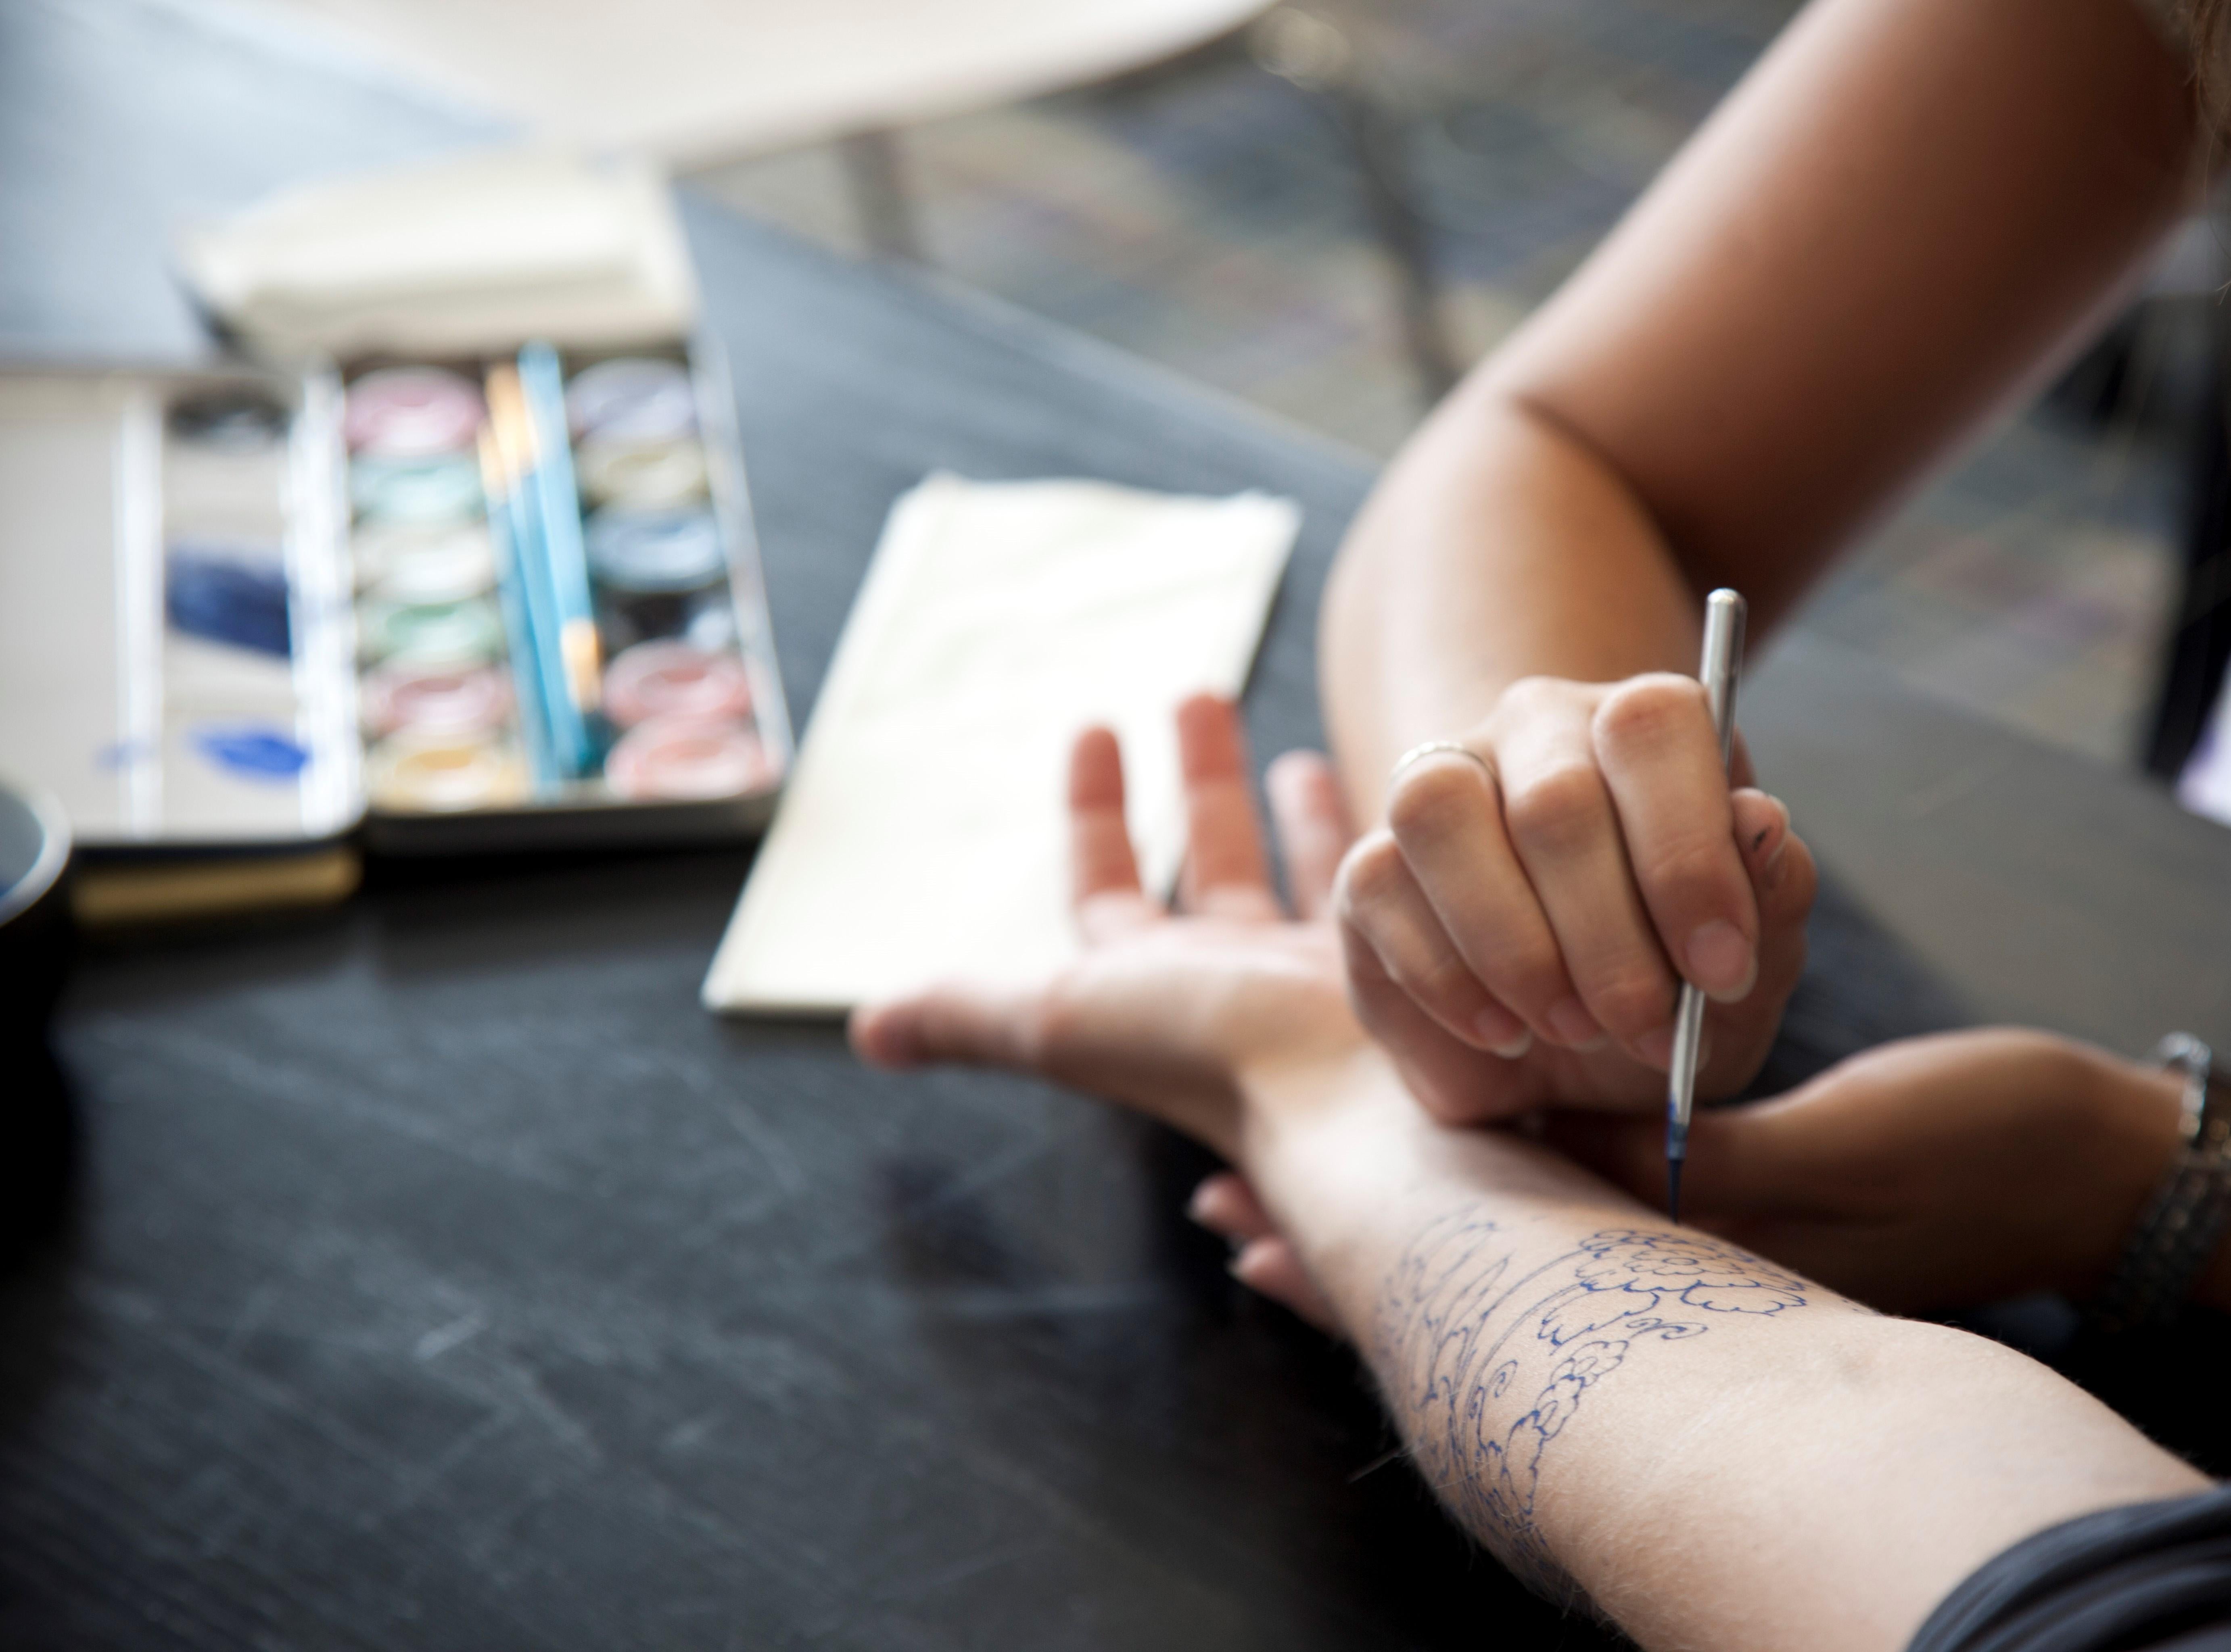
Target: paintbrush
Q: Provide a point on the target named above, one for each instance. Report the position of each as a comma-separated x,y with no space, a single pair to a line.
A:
1720,669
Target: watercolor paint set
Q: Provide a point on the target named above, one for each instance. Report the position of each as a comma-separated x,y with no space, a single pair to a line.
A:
473,603
460,553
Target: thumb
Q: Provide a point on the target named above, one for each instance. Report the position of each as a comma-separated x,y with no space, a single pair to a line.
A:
970,1022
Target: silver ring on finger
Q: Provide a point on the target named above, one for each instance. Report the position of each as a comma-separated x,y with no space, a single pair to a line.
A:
1432,748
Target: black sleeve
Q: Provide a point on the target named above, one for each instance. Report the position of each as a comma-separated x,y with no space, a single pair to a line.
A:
2148,1577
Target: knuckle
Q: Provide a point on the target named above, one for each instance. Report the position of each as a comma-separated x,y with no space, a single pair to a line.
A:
1369,874
1531,700
1690,866
1558,807
1527,696
1443,985
1435,800
1632,1000
1648,710
1526,976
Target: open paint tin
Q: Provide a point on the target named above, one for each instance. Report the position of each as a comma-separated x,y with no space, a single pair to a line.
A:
244,608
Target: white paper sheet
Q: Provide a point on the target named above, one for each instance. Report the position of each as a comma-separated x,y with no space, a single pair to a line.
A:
921,835
470,254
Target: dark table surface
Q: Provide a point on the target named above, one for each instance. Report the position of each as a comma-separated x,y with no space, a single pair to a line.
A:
436,1273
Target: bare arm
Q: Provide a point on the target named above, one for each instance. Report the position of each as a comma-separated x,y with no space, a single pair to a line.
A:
1716,1451
1901,220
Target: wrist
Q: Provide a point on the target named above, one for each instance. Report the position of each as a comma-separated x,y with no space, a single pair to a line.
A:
1334,1145
2153,1127
1290,1104
2135,1111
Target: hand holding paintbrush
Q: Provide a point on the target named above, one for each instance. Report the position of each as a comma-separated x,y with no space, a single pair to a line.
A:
1519,932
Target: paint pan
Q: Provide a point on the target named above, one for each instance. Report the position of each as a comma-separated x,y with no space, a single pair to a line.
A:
441,489
436,635
633,399
643,475
445,567
431,771
667,680
419,552
413,413
682,757
474,700
659,552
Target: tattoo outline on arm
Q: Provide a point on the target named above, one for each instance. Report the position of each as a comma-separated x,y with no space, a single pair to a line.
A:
1456,1338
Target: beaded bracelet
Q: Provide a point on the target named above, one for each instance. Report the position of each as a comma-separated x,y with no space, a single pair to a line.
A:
2178,1234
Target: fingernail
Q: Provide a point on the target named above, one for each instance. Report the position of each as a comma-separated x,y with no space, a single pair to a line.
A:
1502,1033
1720,961
1766,842
1573,1026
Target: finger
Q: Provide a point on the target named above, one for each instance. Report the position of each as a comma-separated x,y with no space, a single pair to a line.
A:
1561,821
1225,869
962,1022
1455,1083
1273,1267
1381,903
1104,890
1225,1204
1263,1260
1784,880
1761,824
1309,814
1660,757
1446,814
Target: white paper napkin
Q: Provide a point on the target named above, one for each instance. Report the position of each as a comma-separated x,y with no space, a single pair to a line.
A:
467,254
921,833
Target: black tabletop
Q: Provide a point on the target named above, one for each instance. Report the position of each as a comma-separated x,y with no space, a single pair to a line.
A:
438,1273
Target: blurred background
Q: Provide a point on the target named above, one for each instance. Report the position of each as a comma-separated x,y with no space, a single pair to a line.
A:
1215,215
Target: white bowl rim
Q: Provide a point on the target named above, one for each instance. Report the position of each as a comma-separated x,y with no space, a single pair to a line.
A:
53,851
